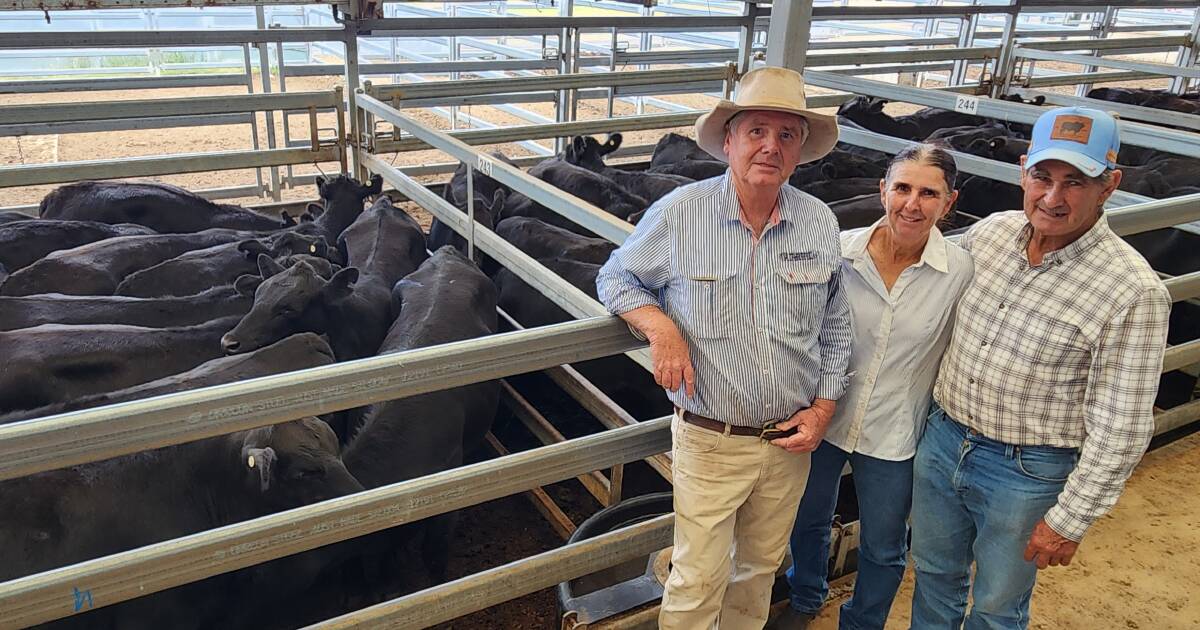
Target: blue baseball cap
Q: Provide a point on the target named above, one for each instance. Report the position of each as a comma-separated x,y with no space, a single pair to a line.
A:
1083,137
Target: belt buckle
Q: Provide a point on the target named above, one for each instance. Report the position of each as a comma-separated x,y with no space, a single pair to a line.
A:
769,432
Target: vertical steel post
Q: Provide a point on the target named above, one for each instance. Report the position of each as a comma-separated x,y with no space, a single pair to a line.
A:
612,67
353,84
264,69
966,37
1006,65
258,172
287,134
746,37
787,38
1108,19
566,47
1188,55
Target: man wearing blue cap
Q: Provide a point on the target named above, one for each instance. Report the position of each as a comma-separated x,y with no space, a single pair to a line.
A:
1044,402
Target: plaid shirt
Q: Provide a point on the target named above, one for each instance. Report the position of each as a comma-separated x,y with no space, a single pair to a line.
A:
1066,354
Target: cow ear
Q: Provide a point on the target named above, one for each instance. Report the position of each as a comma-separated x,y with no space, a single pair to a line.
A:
877,104
614,142
267,266
376,185
287,219
829,170
252,249
498,200
314,209
321,184
1039,100
341,285
246,284
260,461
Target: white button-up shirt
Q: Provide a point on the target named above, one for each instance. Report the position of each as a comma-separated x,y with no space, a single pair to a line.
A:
899,338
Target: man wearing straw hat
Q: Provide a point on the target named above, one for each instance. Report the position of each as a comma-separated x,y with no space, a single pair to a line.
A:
734,281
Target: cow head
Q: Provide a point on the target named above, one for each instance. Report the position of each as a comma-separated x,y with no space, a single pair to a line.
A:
286,302
861,106
294,464
589,153
346,187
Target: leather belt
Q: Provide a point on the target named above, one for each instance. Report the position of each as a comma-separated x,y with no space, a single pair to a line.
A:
718,426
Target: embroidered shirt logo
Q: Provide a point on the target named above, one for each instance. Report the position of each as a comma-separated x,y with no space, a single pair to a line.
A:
1073,128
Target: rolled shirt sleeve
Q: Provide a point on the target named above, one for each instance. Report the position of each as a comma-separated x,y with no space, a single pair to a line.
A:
836,340
639,268
1119,412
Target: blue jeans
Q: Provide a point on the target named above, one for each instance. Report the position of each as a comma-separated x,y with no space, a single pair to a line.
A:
884,491
975,499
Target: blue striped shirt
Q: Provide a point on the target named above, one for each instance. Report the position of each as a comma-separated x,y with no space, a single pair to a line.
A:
767,322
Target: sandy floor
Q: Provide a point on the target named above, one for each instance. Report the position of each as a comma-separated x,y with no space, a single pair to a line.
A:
1136,568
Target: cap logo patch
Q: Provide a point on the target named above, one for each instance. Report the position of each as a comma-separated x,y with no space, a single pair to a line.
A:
1111,156
1073,128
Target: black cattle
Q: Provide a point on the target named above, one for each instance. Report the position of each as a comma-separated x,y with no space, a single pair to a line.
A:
342,200
674,148
999,148
197,270
483,185
628,384
447,299
7,217
959,138
542,240
594,188
353,306
1181,170
297,352
589,153
848,164
868,112
53,308
836,189
1144,180
692,169
97,268
62,517
980,196
24,243
486,210
161,207
859,211
55,363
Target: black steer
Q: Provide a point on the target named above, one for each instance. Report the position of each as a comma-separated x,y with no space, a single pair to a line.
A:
161,207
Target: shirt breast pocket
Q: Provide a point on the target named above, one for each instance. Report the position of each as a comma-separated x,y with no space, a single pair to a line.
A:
711,301
803,290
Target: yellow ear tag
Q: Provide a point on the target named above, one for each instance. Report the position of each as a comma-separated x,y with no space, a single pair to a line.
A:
312,249
250,461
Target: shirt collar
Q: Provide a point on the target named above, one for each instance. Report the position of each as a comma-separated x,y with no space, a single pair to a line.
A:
733,208
1074,249
933,255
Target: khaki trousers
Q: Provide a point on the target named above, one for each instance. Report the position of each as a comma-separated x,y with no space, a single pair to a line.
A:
735,504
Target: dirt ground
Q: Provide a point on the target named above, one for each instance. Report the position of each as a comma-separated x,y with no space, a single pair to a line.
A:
1135,569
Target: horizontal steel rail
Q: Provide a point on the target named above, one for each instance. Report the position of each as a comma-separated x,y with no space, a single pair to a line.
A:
123,124
454,599
892,69
43,86
575,209
1154,215
552,130
1170,140
1177,417
37,174
1132,112
898,56
1185,287
119,577
1085,77
191,106
902,13
549,25
104,432
1106,62
550,82
1111,44
168,38
1181,356
423,67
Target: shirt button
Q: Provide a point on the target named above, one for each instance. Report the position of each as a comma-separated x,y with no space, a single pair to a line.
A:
983,344
1002,306
971,381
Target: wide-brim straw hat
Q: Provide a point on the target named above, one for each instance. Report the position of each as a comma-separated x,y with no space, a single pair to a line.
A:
773,89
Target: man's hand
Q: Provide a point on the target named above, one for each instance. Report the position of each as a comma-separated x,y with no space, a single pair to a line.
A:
668,350
1048,548
810,427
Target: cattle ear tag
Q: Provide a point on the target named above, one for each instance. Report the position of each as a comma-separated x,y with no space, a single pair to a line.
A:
312,249
250,461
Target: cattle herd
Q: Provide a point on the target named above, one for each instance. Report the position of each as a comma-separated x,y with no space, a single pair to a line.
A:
121,291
